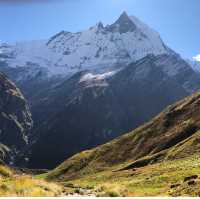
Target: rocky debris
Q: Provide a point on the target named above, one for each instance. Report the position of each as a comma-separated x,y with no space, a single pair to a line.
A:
188,178
174,186
191,182
79,192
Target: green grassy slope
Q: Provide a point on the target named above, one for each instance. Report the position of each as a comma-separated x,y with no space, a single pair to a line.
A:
167,178
172,134
167,147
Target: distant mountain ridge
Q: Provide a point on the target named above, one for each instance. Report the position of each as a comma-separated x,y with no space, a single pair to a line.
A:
194,64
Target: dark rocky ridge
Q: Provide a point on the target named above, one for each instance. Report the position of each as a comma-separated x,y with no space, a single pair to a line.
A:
15,117
4,153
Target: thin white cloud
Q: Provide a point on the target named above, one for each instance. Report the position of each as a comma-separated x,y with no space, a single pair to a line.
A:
197,58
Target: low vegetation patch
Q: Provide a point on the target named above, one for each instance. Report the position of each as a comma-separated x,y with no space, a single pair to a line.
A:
14,183
5,171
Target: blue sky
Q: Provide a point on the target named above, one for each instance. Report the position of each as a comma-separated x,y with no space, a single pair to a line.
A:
177,21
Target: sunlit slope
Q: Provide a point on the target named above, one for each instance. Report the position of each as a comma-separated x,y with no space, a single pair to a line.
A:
173,134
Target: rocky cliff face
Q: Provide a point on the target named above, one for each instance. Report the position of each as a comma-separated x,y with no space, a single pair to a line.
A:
15,117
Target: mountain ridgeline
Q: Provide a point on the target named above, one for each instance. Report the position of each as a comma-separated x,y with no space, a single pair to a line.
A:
87,88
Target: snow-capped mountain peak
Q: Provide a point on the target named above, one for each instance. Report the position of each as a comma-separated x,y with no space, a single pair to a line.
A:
98,48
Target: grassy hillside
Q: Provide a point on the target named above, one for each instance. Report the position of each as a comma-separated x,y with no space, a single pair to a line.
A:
15,183
167,147
170,178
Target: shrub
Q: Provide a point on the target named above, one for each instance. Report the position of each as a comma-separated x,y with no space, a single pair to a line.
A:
77,191
112,194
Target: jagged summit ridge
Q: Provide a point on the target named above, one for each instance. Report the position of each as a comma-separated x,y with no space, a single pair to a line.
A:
123,25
